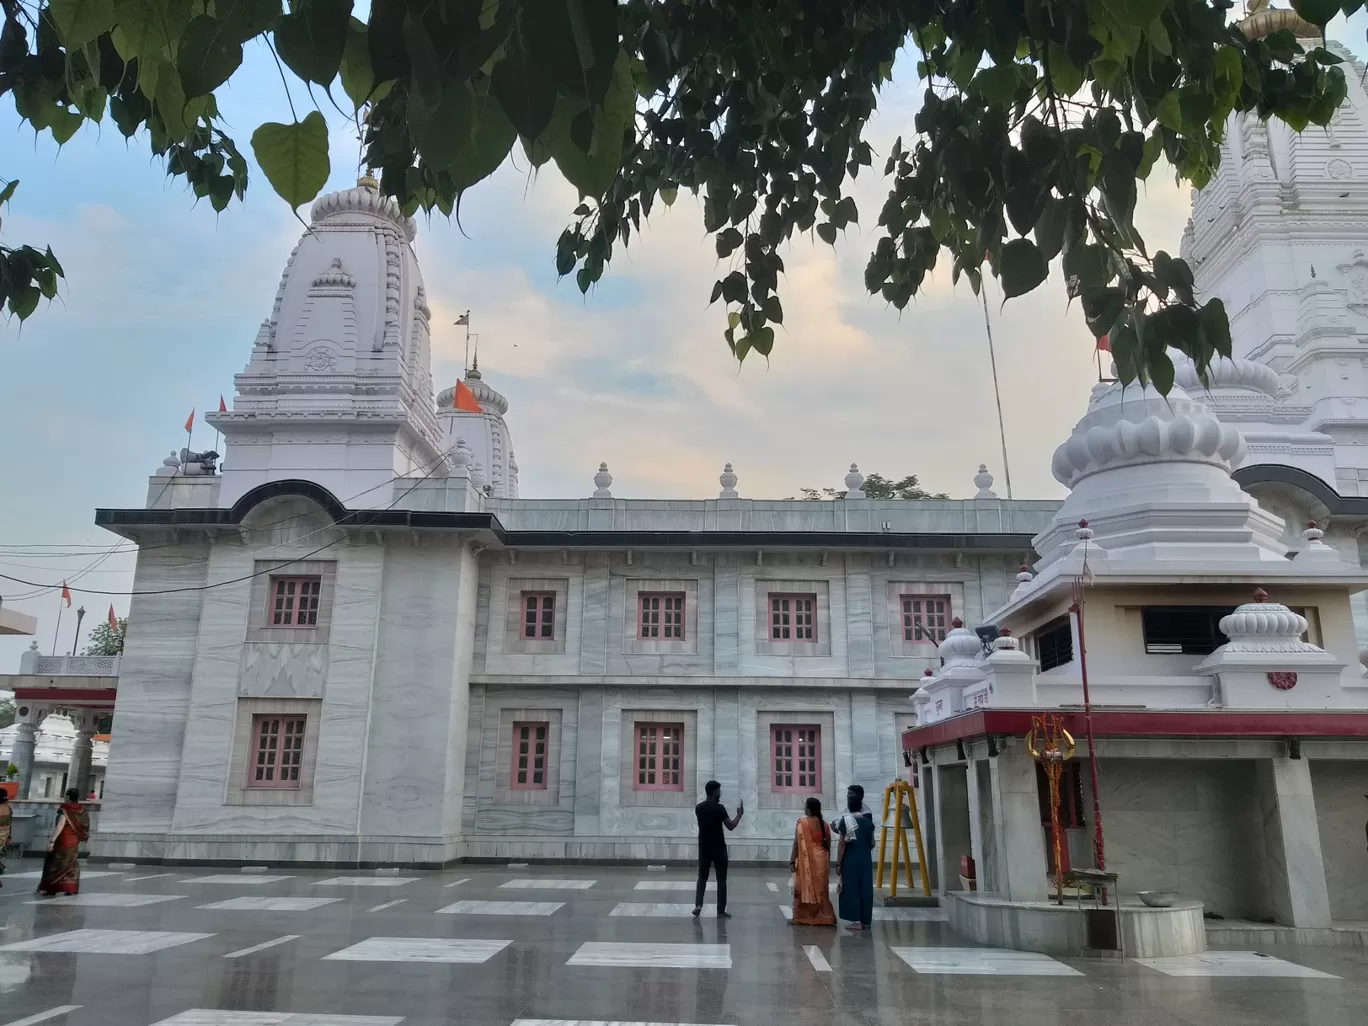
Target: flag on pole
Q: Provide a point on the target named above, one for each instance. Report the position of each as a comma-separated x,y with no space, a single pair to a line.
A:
464,320
190,421
66,594
464,399
113,620
1104,344
223,407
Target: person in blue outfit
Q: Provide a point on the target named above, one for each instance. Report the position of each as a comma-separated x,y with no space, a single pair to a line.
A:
854,861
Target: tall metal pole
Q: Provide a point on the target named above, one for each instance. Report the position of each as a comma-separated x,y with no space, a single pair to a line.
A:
997,392
76,638
56,630
1084,535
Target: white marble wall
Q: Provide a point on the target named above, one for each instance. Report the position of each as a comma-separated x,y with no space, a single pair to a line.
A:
1341,810
154,692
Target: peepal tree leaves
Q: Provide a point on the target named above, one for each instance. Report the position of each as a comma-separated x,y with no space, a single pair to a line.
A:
1035,124
294,158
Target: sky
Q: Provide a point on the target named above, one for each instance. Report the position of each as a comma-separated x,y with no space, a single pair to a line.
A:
163,298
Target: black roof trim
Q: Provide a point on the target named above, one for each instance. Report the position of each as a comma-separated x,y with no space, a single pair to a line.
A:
1294,477
436,521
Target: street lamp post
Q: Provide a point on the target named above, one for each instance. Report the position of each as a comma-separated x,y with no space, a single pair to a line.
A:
80,615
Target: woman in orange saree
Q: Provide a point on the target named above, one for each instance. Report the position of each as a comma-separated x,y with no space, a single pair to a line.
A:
811,864
62,867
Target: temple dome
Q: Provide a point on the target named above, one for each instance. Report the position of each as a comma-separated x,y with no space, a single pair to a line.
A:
485,434
1222,374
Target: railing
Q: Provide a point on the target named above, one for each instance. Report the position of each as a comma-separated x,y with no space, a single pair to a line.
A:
68,666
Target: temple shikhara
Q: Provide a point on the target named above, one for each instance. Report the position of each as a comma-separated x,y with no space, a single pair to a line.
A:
352,642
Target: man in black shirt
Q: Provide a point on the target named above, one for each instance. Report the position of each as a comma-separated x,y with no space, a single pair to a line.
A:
712,845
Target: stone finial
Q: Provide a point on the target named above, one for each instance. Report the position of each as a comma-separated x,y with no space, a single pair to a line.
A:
1315,549
1084,532
983,481
1263,626
33,646
1312,532
854,482
1024,575
727,479
170,466
1005,642
928,672
462,456
961,646
478,477
602,482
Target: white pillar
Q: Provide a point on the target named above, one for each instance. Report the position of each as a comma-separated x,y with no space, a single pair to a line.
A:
1296,868
1016,824
78,770
25,742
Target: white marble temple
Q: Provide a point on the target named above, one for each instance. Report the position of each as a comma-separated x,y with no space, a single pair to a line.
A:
109,900
982,962
218,1017
107,942
503,908
659,910
653,956
815,956
365,881
548,885
243,952
37,874
671,885
1232,963
893,915
420,949
388,904
243,880
268,903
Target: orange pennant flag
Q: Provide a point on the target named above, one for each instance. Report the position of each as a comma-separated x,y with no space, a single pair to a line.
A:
223,407
1104,344
66,594
113,620
464,399
190,422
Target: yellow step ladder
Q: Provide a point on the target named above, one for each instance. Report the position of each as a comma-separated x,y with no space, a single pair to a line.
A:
894,794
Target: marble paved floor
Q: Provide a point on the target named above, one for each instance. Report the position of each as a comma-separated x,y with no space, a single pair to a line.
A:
165,946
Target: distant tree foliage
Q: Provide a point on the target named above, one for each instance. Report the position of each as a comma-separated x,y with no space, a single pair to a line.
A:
105,640
1038,118
876,486
7,712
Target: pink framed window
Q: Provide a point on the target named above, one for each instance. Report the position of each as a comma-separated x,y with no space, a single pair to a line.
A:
925,618
795,756
277,751
660,757
793,617
660,614
529,755
538,615
294,601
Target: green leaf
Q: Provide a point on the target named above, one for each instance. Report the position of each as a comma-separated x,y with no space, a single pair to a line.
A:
592,171
294,157
1101,308
668,194
997,83
149,28
727,241
491,137
762,340
1229,67
357,77
311,38
1317,12
1021,267
81,21
441,125
8,191
1216,326
1138,14
247,19
1160,369
65,123
1169,113
207,56
171,105
1064,73
826,231
1154,148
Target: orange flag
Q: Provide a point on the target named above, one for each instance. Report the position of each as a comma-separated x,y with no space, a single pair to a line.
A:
190,422
1104,344
464,399
223,407
113,620
66,595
